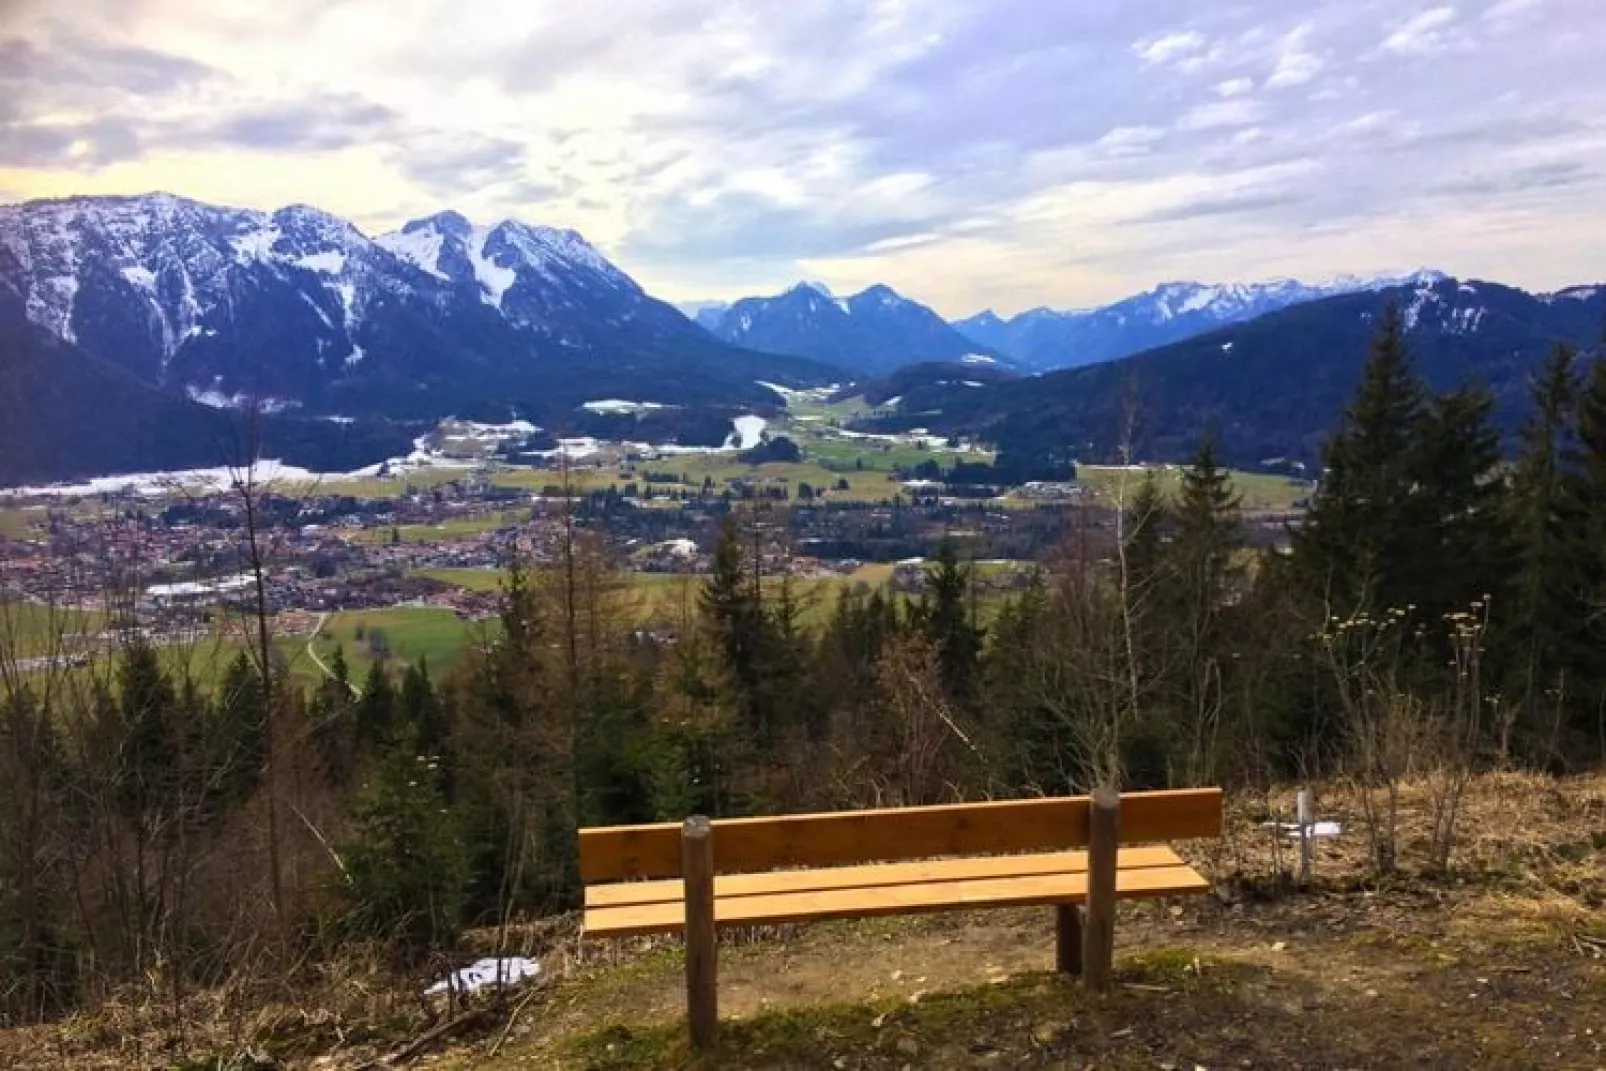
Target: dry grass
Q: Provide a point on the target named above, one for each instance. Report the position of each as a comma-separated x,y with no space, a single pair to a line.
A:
1502,962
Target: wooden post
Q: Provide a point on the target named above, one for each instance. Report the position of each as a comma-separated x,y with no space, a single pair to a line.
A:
1098,935
1068,938
1305,812
702,968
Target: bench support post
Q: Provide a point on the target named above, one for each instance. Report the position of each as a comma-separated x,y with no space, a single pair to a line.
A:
1068,938
1098,935
702,974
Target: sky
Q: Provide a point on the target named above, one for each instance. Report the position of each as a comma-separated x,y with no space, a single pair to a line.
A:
1003,154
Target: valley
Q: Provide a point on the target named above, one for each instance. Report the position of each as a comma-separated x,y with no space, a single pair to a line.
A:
404,560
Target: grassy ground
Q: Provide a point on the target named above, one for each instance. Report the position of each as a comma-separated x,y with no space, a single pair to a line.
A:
468,579
1501,964
446,531
19,523
1260,490
411,633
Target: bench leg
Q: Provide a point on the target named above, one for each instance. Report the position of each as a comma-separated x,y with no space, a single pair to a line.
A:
1068,939
702,964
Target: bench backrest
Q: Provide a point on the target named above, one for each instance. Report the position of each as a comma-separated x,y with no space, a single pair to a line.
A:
839,838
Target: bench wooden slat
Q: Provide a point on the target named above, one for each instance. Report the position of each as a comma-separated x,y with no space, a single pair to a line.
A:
875,875
637,919
613,853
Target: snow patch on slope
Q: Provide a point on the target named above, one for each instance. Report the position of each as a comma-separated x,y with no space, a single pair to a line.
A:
493,278
420,248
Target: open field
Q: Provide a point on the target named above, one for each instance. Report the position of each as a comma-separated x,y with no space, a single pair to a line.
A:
446,531
1260,491
467,579
432,634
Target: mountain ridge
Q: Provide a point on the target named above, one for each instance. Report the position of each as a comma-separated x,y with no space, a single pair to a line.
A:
1043,338
869,333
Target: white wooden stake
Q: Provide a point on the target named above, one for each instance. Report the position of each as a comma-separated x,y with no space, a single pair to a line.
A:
1306,816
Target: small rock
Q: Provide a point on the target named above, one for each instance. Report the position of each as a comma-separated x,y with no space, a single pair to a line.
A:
1045,1033
908,1046
897,976
1279,946
878,1020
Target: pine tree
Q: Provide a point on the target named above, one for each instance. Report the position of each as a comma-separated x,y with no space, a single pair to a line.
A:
1584,515
1355,547
376,710
1146,520
1200,575
239,739
1538,632
733,612
944,616
1463,553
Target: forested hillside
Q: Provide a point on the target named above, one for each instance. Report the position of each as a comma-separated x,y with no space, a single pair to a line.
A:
1435,613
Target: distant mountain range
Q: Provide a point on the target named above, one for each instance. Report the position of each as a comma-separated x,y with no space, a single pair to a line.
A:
134,329
868,334
301,311
1274,385
1043,339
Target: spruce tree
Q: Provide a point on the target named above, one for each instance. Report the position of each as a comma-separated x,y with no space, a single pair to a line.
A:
944,616
1463,548
1538,631
376,709
1355,548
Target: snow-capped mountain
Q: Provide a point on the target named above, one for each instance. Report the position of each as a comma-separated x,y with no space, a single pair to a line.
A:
870,333
300,307
1272,386
1049,338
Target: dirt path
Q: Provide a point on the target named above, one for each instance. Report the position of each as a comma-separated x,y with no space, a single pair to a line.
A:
312,653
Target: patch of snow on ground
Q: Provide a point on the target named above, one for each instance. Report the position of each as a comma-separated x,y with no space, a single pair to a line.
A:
355,356
199,587
421,248
571,448
486,973
330,262
494,279
348,300
749,432
619,405
970,382
213,398
1200,299
976,358
266,471
680,548
140,276
257,245
1226,347
892,402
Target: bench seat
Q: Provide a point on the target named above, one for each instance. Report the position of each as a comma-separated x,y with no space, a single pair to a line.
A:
625,909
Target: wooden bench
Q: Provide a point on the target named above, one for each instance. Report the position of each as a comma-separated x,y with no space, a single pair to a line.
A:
702,875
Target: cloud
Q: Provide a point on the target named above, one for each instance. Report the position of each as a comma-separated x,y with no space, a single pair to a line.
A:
1170,48
1130,140
1226,205
317,123
69,62
1296,65
1425,33
1007,153
1222,113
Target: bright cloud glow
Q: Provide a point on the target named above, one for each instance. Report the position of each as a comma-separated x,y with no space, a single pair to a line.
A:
971,153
